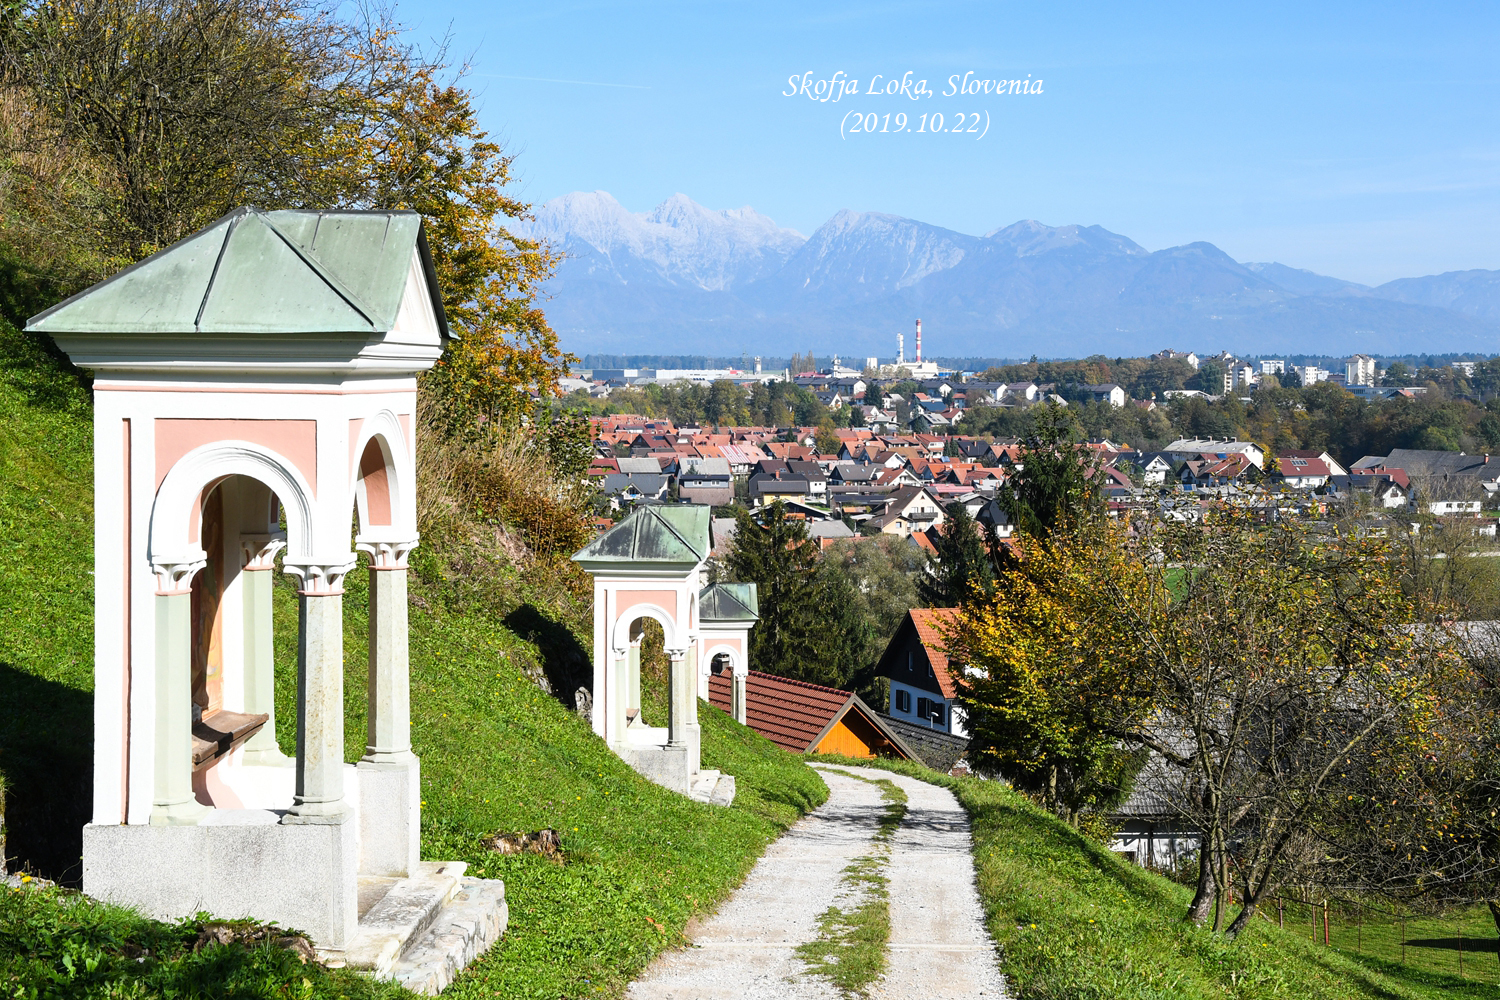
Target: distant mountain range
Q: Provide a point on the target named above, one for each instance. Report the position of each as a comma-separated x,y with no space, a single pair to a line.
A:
687,279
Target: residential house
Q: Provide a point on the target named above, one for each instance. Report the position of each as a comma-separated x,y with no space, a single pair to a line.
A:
810,718
1185,448
923,691
1386,489
706,481
853,474
1110,393
1171,355
623,488
812,472
912,509
1307,469
1441,473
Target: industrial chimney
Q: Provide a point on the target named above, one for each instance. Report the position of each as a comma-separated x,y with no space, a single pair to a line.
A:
900,349
919,342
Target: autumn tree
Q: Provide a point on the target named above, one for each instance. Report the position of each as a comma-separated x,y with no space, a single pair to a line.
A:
1052,680
128,125
1273,660
825,439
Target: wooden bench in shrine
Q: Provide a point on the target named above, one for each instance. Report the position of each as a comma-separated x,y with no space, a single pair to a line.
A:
215,735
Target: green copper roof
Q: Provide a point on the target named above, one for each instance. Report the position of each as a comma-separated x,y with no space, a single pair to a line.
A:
262,272
676,534
729,602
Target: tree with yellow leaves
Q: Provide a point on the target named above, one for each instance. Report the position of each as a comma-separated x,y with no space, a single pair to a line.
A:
129,124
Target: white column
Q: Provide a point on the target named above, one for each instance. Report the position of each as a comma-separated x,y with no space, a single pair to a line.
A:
388,732
172,800
390,782
737,701
633,695
619,694
258,559
681,700
319,793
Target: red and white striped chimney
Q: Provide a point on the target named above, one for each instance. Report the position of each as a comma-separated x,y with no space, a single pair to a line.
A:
919,342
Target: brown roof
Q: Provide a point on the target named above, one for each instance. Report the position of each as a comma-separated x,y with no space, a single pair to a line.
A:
795,715
930,623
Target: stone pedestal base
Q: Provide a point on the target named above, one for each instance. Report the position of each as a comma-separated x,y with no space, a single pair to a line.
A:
675,767
236,864
390,817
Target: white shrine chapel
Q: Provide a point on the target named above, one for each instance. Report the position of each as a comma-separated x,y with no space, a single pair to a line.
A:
263,372
654,564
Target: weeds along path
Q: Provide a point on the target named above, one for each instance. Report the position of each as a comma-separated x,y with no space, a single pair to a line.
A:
871,895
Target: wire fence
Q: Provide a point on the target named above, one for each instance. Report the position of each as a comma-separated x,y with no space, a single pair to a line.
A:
1462,944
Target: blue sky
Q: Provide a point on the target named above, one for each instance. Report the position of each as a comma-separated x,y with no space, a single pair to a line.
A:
1355,140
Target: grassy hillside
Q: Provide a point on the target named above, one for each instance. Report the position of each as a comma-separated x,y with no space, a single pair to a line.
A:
1074,921
497,754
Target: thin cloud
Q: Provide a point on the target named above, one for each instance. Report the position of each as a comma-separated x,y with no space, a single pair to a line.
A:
545,79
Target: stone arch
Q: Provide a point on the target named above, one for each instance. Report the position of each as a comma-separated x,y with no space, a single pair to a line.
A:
736,657
173,533
620,637
383,480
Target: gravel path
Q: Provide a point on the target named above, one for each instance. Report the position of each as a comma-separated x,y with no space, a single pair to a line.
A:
939,948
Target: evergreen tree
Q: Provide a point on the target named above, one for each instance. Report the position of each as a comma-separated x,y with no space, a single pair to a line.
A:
1057,488
776,555
961,570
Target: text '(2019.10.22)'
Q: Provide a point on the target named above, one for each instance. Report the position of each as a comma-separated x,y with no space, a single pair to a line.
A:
974,124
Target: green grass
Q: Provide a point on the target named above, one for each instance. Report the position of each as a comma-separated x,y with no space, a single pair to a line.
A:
850,949
1074,921
497,753
55,943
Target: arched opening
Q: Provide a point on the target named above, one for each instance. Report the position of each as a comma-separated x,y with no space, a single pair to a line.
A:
232,643
647,678
215,531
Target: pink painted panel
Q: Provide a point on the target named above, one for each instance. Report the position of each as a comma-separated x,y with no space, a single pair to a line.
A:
626,600
377,484
294,440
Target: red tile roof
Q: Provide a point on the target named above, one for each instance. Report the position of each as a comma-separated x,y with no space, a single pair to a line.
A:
930,623
791,714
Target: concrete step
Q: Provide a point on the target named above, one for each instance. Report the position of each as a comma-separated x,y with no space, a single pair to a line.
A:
390,926
462,931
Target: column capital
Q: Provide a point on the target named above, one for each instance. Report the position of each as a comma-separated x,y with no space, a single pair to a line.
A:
385,554
677,654
318,577
174,574
258,552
